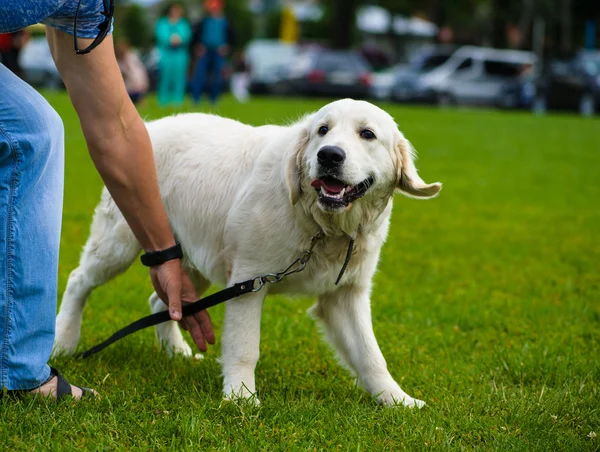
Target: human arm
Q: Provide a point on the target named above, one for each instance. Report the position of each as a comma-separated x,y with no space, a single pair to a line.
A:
196,45
120,147
185,32
225,49
162,34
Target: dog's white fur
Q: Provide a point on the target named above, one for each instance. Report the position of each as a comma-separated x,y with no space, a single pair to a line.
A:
240,202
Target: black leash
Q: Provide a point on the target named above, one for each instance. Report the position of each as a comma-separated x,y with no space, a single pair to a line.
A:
346,261
160,317
251,285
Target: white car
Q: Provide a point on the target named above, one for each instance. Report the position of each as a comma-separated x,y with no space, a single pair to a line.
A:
476,75
383,82
38,66
268,61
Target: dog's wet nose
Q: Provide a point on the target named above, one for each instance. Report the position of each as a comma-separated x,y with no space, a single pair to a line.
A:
331,156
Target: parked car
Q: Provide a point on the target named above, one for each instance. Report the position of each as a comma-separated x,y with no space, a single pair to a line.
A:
570,84
407,87
476,75
332,73
518,93
382,82
38,66
267,62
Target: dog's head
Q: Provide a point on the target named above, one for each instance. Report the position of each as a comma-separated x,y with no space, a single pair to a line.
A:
352,151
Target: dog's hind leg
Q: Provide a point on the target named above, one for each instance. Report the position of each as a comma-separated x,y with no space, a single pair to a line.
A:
168,334
110,250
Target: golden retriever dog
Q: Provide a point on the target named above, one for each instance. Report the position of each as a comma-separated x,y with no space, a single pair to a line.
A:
245,201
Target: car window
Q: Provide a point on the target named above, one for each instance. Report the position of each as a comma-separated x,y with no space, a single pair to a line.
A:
591,67
501,68
270,55
433,61
466,64
559,67
330,62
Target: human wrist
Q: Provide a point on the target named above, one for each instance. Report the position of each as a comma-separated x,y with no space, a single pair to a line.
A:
159,257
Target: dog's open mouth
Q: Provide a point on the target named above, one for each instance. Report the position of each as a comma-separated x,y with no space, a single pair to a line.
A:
333,193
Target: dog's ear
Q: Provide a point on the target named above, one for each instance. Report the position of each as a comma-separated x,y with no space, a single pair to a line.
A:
294,168
409,183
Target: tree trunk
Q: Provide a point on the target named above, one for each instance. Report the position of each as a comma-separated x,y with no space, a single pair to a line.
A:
566,26
498,25
342,23
526,21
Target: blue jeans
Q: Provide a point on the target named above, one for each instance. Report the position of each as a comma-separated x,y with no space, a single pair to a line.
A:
211,59
31,195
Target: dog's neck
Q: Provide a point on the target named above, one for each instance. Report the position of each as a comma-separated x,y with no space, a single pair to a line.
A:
362,217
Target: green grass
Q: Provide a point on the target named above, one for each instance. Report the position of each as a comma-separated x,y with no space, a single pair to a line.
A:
486,305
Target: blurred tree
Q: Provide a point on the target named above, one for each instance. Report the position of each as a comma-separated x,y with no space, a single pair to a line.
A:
135,26
342,23
240,18
489,21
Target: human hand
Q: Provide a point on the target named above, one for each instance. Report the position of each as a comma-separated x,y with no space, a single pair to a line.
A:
174,286
175,40
200,50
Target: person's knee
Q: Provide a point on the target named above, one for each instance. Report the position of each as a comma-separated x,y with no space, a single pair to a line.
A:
52,126
44,133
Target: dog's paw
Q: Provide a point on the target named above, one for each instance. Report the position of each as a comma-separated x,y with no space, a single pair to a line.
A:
252,400
179,348
398,398
60,349
242,395
66,339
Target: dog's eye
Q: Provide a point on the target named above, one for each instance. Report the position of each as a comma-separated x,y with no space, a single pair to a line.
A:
323,130
367,134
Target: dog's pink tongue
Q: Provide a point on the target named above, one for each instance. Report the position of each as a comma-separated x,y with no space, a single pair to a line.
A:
331,185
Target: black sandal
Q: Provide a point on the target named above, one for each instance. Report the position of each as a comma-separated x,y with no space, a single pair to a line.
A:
63,388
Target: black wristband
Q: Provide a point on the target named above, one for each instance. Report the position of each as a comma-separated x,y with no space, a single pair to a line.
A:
154,258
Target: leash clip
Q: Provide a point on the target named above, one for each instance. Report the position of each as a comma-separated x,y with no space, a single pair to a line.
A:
296,266
257,283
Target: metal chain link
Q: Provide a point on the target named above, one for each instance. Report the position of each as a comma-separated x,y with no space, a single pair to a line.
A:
296,266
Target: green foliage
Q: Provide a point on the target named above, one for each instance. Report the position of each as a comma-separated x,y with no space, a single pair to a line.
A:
242,22
486,306
135,25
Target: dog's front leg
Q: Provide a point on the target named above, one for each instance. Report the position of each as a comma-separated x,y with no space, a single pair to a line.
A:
240,345
346,315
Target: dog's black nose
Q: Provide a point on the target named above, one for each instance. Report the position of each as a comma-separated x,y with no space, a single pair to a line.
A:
331,156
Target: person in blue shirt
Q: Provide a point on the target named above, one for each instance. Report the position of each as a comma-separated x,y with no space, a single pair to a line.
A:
172,33
212,41
32,185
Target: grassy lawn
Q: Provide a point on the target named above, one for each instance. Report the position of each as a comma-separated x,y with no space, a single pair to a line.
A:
486,306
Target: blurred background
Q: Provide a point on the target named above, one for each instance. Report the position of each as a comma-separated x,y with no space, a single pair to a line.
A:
537,55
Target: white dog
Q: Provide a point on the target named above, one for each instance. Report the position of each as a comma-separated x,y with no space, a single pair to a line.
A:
245,201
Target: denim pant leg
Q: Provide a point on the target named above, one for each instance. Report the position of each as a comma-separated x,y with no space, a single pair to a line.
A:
218,65
199,77
31,196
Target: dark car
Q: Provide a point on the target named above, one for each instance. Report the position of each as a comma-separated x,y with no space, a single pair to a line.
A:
406,86
331,73
570,84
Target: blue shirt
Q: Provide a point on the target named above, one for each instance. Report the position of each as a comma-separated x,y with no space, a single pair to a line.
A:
214,32
60,14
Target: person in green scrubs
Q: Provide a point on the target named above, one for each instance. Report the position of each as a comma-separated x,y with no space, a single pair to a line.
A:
173,34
